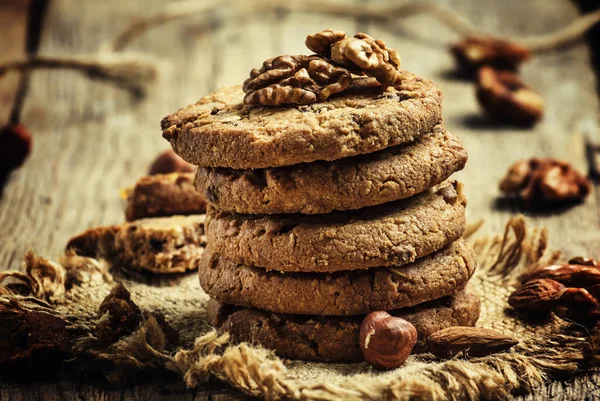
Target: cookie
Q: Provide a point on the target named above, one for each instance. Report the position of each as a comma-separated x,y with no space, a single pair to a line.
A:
392,234
357,292
220,131
159,245
164,195
352,183
334,339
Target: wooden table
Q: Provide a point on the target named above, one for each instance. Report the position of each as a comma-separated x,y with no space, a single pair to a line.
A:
92,138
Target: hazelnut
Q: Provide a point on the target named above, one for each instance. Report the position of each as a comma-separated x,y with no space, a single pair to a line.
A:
169,162
15,146
476,51
386,341
505,98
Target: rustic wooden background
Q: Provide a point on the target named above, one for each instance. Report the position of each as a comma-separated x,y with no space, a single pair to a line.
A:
92,138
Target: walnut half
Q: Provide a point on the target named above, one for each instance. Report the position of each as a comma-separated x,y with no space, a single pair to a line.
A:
360,54
544,182
295,80
340,62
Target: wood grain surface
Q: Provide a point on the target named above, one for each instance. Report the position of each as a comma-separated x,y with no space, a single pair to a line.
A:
92,138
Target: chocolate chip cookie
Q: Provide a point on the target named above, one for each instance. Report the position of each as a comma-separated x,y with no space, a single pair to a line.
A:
220,131
159,245
352,183
357,292
391,234
164,195
334,339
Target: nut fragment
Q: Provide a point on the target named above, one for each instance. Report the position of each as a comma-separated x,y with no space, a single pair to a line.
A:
475,341
295,80
474,52
369,55
117,315
321,42
15,146
169,162
543,182
386,341
537,295
505,98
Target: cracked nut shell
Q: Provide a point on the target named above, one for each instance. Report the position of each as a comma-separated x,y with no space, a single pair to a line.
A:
386,341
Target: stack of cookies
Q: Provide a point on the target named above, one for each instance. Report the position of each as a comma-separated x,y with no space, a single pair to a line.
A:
323,212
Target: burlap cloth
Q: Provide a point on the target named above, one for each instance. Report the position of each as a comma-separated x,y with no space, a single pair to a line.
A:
551,348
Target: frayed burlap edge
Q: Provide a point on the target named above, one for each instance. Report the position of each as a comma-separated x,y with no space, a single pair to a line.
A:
259,372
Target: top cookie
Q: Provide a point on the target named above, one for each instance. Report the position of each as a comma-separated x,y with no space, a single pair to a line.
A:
220,131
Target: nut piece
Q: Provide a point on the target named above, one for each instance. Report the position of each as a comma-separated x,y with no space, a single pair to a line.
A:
169,162
545,182
386,341
371,56
476,51
15,146
537,295
475,341
117,315
506,99
321,42
295,80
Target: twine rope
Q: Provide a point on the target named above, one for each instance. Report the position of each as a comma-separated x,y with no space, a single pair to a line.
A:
135,71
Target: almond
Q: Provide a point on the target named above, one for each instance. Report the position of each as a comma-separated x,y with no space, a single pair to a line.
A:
580,260
537,295
577,299
475,341
560,273
572,275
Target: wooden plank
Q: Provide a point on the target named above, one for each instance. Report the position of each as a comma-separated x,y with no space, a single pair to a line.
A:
92,138
13,27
